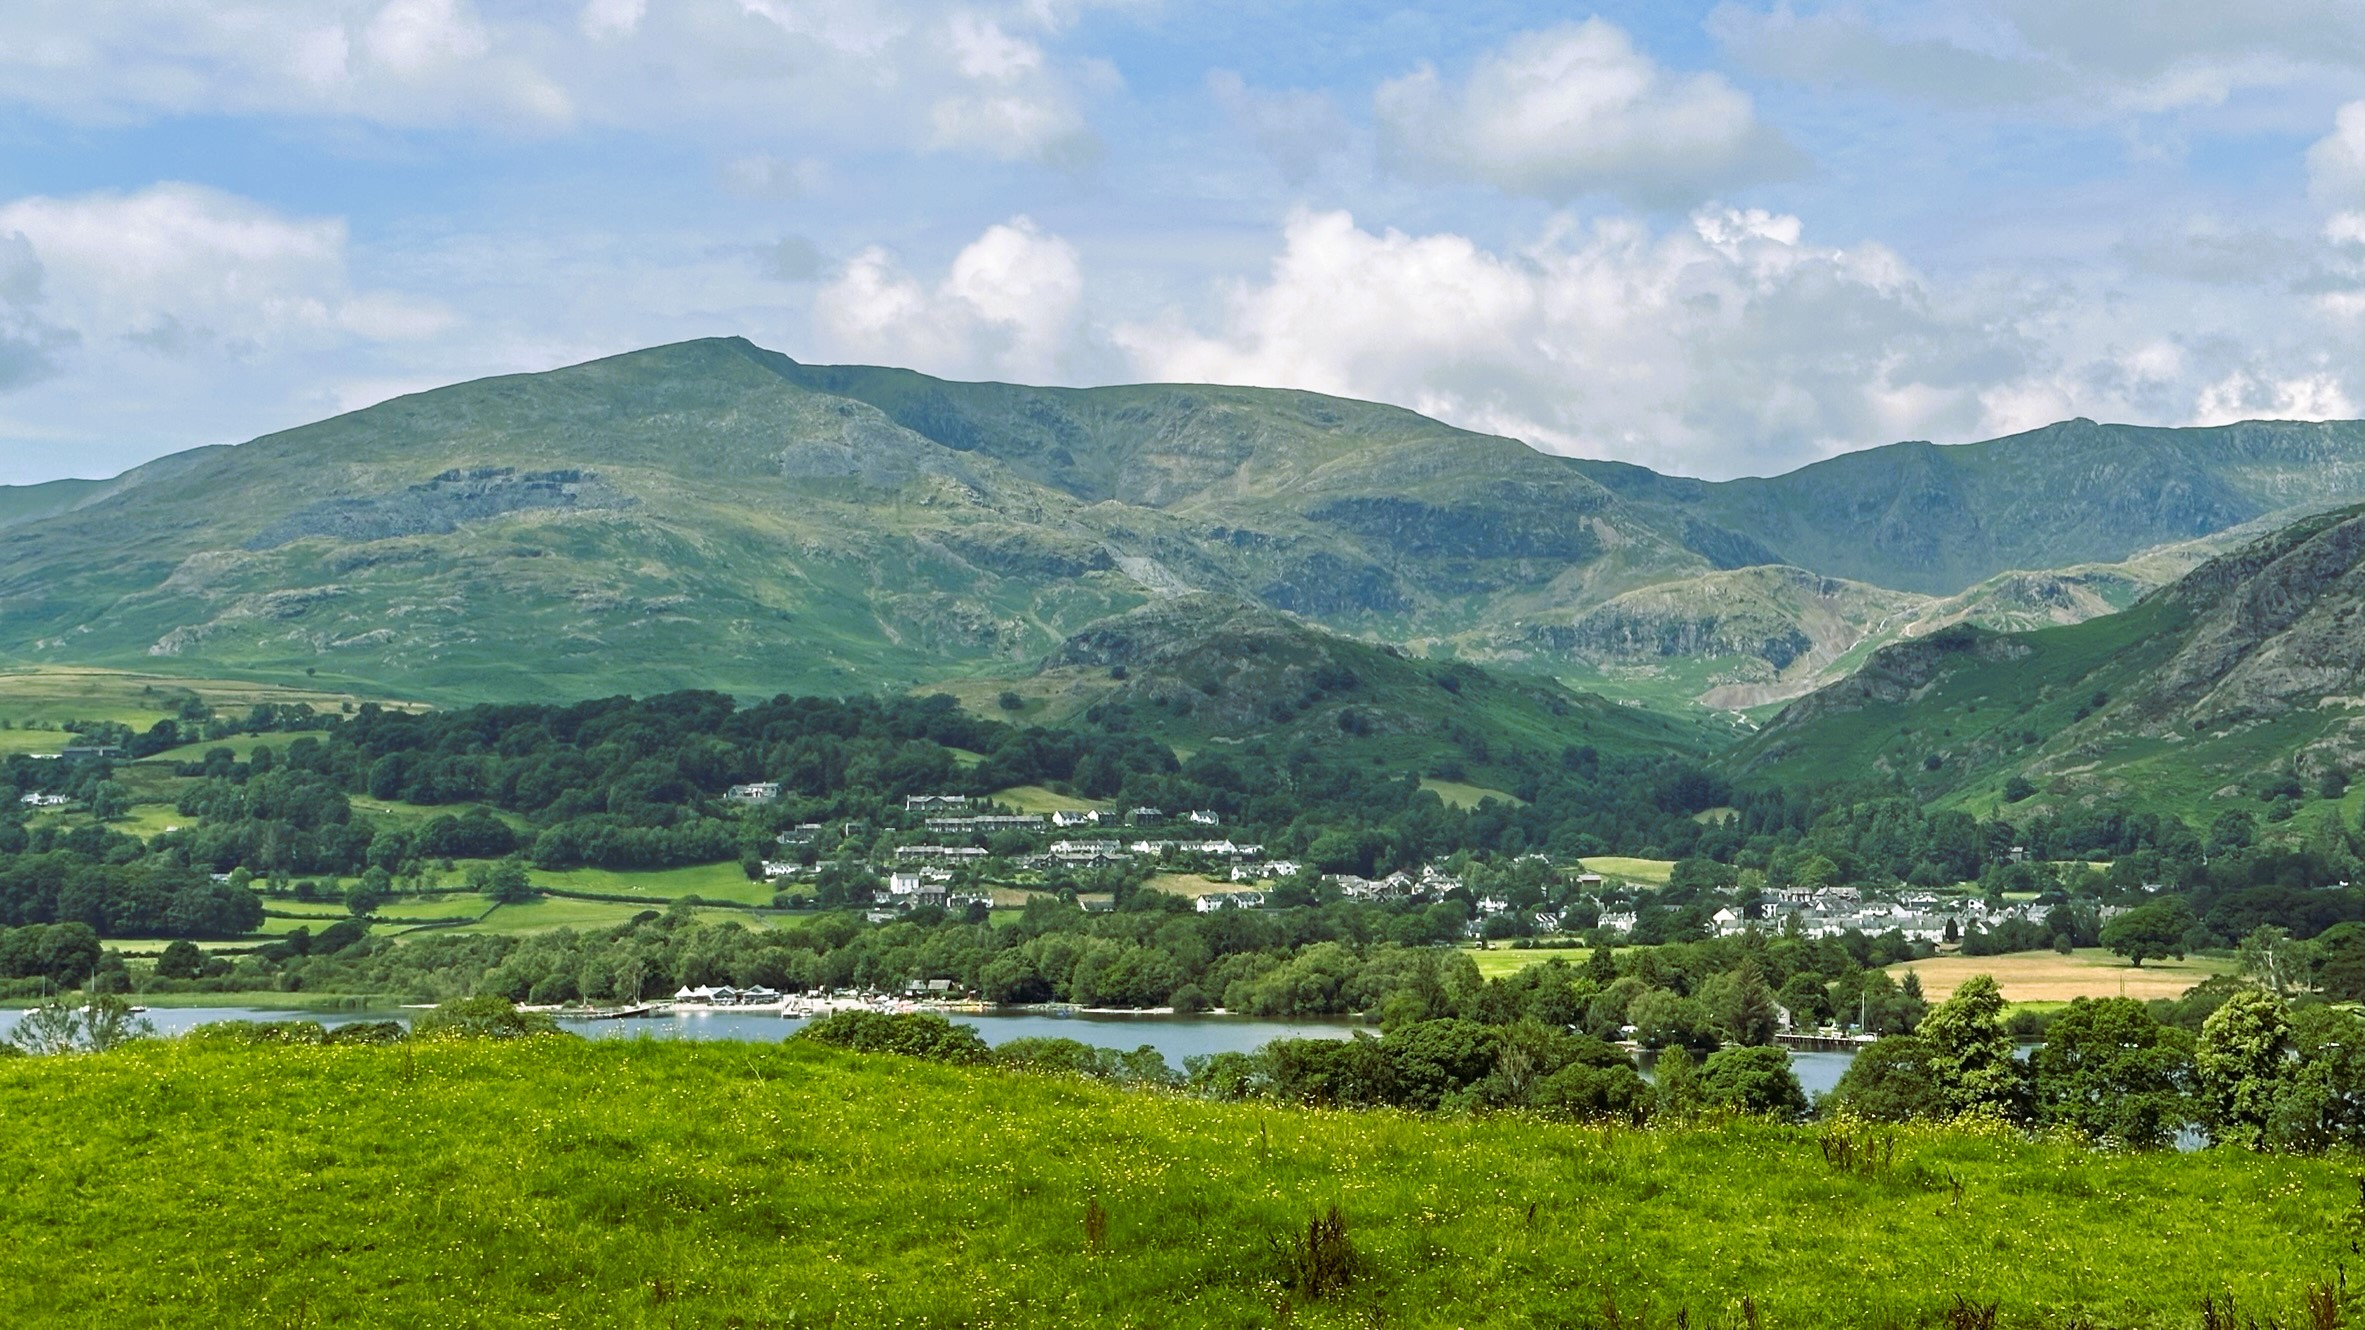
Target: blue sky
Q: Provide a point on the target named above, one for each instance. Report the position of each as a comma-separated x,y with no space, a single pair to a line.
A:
1715,239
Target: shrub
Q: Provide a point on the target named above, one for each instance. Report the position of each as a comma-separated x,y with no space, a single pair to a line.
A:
482,1018
907,1034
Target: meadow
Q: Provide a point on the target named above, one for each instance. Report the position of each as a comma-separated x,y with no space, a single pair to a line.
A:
1646,872
637,1183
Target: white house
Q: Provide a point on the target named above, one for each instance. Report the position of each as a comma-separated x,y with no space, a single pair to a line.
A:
43,801
758,792
1076,817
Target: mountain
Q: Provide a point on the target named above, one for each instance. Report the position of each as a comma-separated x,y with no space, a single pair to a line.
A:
2245,677
1920,517
715,514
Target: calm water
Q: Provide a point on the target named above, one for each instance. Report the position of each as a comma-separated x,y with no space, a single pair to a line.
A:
1175,1037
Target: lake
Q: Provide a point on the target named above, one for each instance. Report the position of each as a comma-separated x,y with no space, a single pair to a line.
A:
1175,1037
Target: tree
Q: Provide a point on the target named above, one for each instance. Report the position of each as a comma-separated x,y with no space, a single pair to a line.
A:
2241,1064
1753,1080
109,801
1970,1053
2270,958
2322,1107
2111,1071
1679,1091
1890,1082
2017,788
1662,1017
1742,1005
505,883
2150,931
181,960
361,902
1804,996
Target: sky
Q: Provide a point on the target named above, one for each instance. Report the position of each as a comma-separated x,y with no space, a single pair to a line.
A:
1716,239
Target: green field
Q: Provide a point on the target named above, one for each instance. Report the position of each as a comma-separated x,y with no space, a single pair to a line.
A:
714,882
549,912
1649,872
48,696
645,1183
1497,961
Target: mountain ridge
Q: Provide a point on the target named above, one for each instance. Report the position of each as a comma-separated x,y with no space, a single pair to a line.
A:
713,513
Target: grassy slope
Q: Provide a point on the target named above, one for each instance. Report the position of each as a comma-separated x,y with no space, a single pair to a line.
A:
1939,519
649,1184
1207,674
742,522
1970,699
2042,976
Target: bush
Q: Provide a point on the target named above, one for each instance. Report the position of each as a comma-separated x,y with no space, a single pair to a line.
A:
1753,1080
482,1018
906,1034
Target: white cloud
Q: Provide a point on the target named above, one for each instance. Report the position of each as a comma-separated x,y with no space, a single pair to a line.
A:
1009,305
1575,110
181,268
971,75
1731,344
2246,396
2093,58
2336,164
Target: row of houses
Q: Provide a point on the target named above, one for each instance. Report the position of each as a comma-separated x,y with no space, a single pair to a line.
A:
984,824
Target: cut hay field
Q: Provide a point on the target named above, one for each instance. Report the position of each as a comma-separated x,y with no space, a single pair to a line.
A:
2044,976
655,1184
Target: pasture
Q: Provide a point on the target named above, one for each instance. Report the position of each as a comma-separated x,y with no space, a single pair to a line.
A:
649,1183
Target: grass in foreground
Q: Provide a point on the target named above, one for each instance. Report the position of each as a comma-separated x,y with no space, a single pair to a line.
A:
656,1184
2044,976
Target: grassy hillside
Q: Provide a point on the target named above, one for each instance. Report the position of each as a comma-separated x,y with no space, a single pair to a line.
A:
650,1184
712,514
1919,517
1206,674
2247,669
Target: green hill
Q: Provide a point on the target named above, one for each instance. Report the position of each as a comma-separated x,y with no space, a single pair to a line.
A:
714,514
1920,517
1205,673
2242,679
658,1183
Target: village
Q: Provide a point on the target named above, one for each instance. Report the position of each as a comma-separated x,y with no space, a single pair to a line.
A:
978,856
